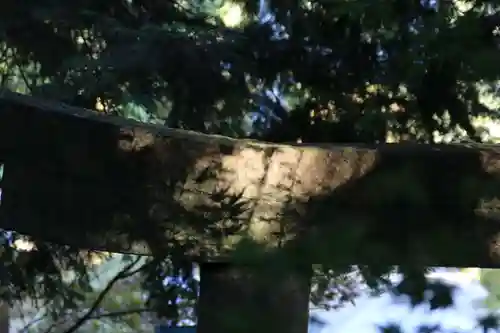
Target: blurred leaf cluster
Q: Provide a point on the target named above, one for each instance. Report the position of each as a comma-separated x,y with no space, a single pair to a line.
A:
348,71
81,291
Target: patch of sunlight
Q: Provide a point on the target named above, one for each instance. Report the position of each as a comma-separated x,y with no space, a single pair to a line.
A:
92,258
100,105
95,258
232,14
488,128
23,245
471,273
463,6
490,100
491,127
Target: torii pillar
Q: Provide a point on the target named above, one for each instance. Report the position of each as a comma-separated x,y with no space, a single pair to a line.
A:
100,182
239,299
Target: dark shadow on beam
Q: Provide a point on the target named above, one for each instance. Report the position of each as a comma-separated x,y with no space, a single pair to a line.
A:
429,205
92,181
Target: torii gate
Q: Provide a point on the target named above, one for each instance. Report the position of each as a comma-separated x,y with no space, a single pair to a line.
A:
74,176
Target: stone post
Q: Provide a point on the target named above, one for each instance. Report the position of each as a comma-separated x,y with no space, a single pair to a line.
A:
236,299
4,318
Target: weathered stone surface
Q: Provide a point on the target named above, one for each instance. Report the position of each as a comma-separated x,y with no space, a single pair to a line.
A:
77,177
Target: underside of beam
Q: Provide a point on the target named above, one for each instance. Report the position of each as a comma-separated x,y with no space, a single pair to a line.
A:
75,177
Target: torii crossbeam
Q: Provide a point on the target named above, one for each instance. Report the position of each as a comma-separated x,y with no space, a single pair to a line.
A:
77,177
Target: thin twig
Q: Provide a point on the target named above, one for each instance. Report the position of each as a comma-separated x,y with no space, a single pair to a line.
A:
32,322
105,315
123,274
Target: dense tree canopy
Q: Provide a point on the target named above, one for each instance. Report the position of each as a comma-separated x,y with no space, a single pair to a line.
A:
360,69
314,71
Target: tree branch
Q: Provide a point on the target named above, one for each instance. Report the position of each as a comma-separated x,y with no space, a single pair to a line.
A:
124,273
121,275
115,314
105,315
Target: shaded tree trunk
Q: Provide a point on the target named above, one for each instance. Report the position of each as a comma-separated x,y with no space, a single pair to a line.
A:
246,299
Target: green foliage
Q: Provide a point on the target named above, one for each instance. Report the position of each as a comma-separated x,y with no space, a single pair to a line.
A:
151,50
110,296
121,310
490,280
160,61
